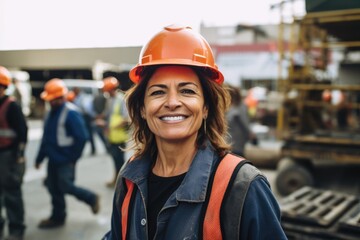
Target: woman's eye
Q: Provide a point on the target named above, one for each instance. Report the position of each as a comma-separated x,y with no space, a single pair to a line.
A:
158,92
188,91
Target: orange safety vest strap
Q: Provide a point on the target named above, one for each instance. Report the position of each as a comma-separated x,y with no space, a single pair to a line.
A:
212,227
125,208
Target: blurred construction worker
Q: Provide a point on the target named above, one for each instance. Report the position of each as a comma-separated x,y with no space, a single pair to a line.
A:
238,122
343,110
13,139
84,103
62,143
251,102
70,96
117,122
326,112
99,109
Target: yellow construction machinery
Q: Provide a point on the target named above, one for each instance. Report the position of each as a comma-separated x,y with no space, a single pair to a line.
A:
319,120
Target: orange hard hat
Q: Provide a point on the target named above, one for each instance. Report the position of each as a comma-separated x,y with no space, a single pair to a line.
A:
70,96
110,83
54,88
180,46
250,101
326,95
5,76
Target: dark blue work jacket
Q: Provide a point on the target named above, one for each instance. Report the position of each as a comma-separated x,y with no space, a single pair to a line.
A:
180,216
64,135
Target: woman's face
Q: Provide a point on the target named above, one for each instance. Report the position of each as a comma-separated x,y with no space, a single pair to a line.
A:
174,103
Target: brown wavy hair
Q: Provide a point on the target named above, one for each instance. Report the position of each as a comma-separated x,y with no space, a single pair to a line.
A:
216,98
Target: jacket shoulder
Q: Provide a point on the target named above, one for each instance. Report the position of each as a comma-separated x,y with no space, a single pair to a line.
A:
72,107
234,200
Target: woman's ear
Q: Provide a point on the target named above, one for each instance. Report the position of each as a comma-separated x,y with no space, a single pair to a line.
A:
142,112
205,112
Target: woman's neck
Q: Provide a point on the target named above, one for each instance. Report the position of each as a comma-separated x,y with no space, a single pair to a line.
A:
174,158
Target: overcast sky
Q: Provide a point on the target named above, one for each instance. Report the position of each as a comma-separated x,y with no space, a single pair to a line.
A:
43,24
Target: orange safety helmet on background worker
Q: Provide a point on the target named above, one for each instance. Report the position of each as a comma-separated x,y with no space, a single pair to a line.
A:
5,76
110,83
70,96
54,88
177,114
326,96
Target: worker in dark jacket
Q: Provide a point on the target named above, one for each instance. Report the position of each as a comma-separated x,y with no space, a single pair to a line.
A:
177,113
63,141
13,138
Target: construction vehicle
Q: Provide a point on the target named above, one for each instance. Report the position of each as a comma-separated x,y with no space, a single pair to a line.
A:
319,119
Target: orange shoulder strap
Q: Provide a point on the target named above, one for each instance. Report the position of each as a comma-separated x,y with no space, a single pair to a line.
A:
212,227
125,208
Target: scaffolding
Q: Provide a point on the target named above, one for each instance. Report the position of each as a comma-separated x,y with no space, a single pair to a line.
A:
316,129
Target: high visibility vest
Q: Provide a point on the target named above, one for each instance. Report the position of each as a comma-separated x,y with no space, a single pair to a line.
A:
7,135
116,134
63,139
211,224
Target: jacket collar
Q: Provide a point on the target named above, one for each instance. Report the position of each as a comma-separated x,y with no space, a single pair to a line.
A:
194,186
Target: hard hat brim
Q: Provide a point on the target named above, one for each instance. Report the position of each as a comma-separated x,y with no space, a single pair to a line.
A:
135,73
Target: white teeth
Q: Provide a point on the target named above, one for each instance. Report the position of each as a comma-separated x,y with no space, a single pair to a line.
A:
174,118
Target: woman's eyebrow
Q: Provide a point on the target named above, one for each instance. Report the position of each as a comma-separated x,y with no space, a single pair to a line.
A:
187,83
164,86
157,85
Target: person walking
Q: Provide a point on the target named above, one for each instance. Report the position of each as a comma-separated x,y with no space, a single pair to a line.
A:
99,110
13,139
84,102
116,124
238,122
177,111
63,141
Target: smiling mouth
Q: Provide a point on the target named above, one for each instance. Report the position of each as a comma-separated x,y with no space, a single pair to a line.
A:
173,118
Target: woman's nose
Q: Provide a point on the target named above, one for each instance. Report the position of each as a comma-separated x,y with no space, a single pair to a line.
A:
172,100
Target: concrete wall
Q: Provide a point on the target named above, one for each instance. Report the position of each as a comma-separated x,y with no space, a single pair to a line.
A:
68,58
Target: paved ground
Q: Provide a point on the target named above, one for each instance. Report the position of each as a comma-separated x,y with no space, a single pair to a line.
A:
81,224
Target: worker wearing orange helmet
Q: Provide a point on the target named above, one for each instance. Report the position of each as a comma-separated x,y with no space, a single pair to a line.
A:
63,141
13,139
70,96
84,102
116,124
174,185
326,96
